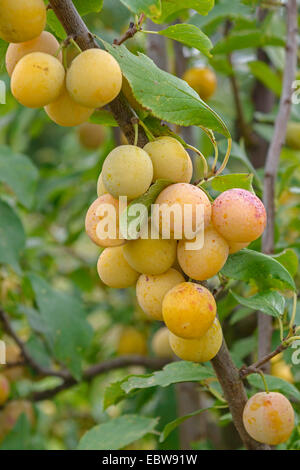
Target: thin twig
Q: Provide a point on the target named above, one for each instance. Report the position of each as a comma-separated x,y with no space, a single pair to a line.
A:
132,30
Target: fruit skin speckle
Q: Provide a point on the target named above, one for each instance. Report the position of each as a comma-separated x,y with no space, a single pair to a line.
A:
269,418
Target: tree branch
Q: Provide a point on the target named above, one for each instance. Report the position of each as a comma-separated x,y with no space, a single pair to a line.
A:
75,27
271,168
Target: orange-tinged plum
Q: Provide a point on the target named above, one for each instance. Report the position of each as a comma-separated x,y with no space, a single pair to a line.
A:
198,350
66,112
150,256
160,343
101,189
151,289
113,269
37,80
127,171
4,389
207,261
269,418
239,216
21,20
132,341
234,247
13,410
181,197
189,310
203,80
91,136
46,42
94,78
170,160
102,222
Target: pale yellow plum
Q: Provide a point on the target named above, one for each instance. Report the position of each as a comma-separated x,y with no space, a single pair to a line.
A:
179,198
4,389
198,350
150,256
282,370
161,345
100,186
94,78
113,269
21,20
239,216
66,112
170,160
132,341
151,289
127,171
91,136
293,135
269,418
189,310
234,247
201,264
37,80
13,410
203,80
46,42
102,222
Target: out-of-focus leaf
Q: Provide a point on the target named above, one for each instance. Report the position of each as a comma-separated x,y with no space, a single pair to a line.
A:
149,7
19,436
103,117
266,75
12,236
289,259
243,40
170,7
117,433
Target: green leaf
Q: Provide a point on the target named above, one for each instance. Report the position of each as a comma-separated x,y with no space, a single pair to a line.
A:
174,424
289,259
263,270
55,25
149,7
167,97
266,75
88,6
145,200
236,180
244,40
117,433
190,36
103,117
275,384
12,236
232,9
19,436
113,394
181,371
3,48
18,172
170,7
69,334
270,302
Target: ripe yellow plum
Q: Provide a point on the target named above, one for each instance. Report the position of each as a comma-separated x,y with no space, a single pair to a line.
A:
132,341
234,247
102,222
46,42
203,80
13,410
179,198
113,269
21,20
94,78
13,355
269,418
37,80
293,135
160,343
189,310
239,216
4,389
66,112
91,136
150,256
127,171
199,350
100,186
170,160
151,289
282,370
207,261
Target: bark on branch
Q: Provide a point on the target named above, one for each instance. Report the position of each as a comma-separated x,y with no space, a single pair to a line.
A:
271,168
